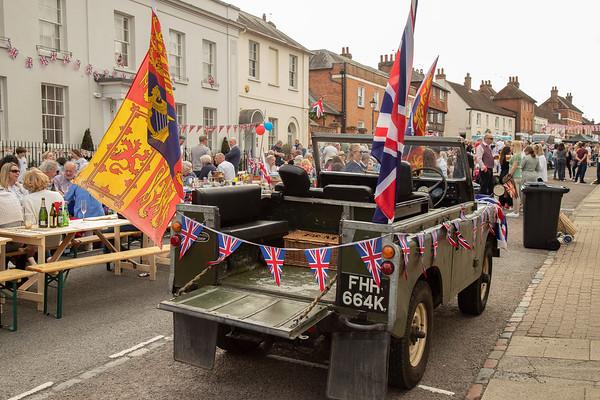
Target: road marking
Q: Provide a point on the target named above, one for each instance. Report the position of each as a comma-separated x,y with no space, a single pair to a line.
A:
296,361
32,391
137,346
436,390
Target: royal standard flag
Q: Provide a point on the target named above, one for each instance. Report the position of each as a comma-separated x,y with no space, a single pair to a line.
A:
137,168
418,117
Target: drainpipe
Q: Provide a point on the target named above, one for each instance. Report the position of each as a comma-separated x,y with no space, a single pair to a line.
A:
343,73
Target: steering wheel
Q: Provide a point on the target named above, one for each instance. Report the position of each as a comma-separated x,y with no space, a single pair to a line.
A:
431,189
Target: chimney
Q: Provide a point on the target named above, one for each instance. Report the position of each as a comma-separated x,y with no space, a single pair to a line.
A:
553,92
385,64
264,17
468,81
569,97
486,88
440,75
513,80
346,53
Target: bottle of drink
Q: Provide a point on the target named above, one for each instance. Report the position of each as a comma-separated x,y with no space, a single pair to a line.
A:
43,215
65,214
52,223
59,215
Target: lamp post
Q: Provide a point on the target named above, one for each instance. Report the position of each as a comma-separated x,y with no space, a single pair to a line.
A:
373,103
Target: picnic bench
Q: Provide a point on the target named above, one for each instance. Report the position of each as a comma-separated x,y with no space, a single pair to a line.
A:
57,271
8,283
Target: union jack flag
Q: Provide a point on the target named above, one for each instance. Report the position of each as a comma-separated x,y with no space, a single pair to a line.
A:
43,60
29,62
274,258
66,59
53,56
461,239
421,241
190,230
317,107
498,219
318,261
405,246
227,245
449,235
13,52
434,243
263,169
388,140
370,253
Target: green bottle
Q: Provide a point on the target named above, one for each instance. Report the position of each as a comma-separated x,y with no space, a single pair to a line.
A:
43,215
59,215
65,214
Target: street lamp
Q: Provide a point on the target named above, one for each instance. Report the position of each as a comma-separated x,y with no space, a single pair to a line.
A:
373,103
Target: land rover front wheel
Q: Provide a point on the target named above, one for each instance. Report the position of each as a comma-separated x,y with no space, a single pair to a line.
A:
473,299
409,354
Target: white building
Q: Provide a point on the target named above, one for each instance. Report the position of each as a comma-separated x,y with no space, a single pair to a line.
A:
59,101
471,112
273,83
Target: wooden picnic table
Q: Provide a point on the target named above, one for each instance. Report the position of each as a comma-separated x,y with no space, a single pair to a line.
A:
37,237
3,241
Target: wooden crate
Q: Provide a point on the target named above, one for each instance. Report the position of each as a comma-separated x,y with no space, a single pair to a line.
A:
309,240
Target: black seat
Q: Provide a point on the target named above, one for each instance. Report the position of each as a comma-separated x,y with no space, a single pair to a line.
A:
348,193
403,186
239,211
296,182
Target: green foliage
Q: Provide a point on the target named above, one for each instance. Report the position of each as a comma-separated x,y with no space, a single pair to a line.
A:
225,146
87,143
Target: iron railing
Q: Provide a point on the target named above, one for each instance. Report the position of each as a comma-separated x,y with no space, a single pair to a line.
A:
36,149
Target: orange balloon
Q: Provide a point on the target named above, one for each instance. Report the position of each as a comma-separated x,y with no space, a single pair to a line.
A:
176,226
260,130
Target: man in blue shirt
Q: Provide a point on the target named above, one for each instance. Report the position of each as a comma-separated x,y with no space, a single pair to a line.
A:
76,195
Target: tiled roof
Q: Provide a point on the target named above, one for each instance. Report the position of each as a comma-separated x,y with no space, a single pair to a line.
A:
543,113
478,101
324,59
417,77
262,27
567,104
513,92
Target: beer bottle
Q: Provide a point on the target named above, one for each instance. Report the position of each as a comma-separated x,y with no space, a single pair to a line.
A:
65,213
59,215
52,223
43,215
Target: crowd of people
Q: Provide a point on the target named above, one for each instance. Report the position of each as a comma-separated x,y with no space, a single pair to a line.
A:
22,190
514,163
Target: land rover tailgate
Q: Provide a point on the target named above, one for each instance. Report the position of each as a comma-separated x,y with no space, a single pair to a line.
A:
264,313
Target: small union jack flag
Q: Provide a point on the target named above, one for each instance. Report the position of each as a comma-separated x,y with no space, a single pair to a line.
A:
43,60
89,69
434,243
318,261
53,56
274,258
29,62
461,239
77,64
370,253
421,241
317,107
66,58
449,235
405,246
227,245
13,52
190,230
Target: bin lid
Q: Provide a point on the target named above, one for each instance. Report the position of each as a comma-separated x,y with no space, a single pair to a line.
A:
544,187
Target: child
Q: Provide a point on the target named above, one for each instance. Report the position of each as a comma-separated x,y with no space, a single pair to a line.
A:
21,153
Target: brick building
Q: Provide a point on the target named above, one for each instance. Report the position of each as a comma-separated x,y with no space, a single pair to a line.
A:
348,87
562,109
331,121
512,98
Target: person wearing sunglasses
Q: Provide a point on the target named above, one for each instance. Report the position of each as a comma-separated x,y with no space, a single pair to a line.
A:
9,175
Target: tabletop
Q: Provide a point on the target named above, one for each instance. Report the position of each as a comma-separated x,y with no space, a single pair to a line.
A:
4,240
77,225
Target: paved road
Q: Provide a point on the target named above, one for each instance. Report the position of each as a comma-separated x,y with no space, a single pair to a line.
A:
104,315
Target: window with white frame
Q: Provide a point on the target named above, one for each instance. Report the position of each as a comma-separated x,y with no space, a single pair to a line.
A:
361,96
51,23
293,71
274,65
273,134
478,119
442,95
53,113
376,98
510,124
209,61
360,124
177,54
292,132
210,121
181,112
123,40
487,121
253,59
2,108
497,123
503,123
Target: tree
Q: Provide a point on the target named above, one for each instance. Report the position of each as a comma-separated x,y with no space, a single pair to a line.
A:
87,143
225,146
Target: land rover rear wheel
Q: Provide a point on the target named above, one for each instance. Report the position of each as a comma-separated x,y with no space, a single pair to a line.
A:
473,299
409,354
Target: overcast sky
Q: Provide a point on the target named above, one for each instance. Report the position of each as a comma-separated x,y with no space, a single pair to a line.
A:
545,43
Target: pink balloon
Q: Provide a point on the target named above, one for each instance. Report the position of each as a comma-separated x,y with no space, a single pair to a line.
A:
260,130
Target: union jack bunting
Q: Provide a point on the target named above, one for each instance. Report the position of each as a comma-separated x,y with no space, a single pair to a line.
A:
89,69
227,245
43,60
190,230
462,242
77,64
434,243
497,219
13,52
475,229
449,235
274,258
318,261
263,169
66,59
53,56
405,246
29,62
317,107
421,242
370,253
388,140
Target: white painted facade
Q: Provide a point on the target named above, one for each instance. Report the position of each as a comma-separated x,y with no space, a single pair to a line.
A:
88,32
270,91
461,120
539,124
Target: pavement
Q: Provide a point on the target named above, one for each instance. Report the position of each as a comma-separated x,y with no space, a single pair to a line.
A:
550,347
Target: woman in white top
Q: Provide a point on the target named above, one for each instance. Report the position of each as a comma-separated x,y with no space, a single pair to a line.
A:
539,154
9,174
442,163
37,183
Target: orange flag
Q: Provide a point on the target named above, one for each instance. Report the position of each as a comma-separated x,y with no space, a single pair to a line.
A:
137,168
421,103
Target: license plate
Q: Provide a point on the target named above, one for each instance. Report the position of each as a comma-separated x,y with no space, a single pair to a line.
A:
361,292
